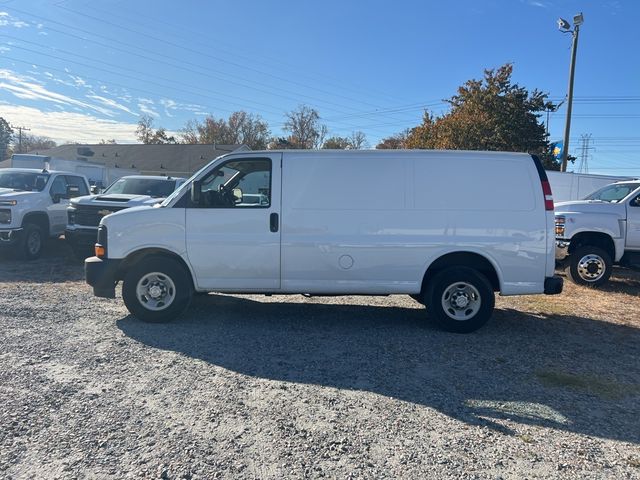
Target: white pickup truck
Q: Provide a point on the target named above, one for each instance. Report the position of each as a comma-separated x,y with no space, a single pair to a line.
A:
33,207
84,213
602,230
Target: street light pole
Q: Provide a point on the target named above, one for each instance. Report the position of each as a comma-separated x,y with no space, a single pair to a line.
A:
577,21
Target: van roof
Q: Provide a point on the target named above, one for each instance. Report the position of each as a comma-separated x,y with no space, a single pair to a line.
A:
391,152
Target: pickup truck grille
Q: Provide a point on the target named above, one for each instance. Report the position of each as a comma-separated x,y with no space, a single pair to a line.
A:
90,216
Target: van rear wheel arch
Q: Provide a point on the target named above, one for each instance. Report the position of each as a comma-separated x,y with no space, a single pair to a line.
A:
471,260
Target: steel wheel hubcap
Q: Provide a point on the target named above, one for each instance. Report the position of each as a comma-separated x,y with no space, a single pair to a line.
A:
156,291
591,267
461,301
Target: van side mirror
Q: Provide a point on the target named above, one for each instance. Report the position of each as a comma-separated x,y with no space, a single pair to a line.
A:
94,190
196,191
55,198
73,191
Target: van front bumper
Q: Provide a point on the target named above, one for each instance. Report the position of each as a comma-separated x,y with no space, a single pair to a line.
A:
101,274
553,285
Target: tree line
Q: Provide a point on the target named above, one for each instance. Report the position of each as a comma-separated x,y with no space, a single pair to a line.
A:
491,113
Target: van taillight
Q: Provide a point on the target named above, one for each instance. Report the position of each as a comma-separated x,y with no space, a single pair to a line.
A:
548,196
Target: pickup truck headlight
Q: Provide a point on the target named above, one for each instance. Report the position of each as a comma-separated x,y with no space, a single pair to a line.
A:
11,203
560,223
71,216
5,215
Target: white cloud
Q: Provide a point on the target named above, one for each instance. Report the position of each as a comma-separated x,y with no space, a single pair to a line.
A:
28,88
8,20
111,103
147,110
171,106
68,126
4,49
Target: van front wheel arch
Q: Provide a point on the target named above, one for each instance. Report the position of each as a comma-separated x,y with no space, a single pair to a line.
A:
157,289
459,299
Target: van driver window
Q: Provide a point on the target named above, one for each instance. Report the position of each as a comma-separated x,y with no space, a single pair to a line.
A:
237,184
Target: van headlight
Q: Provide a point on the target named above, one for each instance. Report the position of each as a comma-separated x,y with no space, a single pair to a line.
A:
5,215
560,223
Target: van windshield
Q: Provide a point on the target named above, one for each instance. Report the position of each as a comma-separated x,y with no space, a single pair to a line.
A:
26,181
613,193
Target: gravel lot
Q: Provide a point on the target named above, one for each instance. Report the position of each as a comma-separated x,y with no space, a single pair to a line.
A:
290,387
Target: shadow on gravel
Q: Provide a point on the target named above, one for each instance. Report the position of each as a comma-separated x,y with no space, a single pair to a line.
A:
562,372
57,264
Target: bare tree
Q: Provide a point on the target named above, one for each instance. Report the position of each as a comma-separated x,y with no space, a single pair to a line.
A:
304,128
357,140
189,133
145,131
32,143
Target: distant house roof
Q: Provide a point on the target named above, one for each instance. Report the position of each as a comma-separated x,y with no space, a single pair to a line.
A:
179,160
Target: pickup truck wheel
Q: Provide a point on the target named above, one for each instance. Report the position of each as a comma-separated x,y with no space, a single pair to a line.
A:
460,299
32,241
590,266
157,289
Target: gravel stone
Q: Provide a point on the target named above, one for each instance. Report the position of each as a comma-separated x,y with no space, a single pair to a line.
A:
247,386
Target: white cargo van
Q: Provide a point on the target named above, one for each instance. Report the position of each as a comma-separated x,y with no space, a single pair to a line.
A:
447,227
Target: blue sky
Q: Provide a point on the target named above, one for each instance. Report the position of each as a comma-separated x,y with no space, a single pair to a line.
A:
79,70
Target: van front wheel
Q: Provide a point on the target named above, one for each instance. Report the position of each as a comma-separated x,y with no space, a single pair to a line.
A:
460,299
157,289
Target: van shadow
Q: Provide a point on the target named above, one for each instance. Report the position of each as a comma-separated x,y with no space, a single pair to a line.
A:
563,372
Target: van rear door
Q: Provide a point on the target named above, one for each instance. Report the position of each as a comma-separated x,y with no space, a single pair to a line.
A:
233,233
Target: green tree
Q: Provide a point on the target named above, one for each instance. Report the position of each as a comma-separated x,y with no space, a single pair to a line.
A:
241,128
489,114
336,143
356,141
397,141
160,136
6,135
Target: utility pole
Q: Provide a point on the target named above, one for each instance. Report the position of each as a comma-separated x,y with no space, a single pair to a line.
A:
20,129
584,155
565,27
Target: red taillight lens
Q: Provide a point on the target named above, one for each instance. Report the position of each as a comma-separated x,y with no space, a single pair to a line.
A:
548,196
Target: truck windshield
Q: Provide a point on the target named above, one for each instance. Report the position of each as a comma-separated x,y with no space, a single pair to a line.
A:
25,181
613,193
142,186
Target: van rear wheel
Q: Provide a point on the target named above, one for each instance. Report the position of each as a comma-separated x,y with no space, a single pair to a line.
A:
157,289
460,299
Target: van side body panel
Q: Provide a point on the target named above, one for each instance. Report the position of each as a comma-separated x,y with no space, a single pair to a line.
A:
373,223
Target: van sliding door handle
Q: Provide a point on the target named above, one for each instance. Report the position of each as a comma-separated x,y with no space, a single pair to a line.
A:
273,222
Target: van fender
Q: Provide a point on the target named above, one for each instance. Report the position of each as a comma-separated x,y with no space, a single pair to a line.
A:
133,256
497,281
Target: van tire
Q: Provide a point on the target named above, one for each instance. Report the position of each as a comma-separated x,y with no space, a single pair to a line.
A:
171,284
590,266
30,246
459,299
